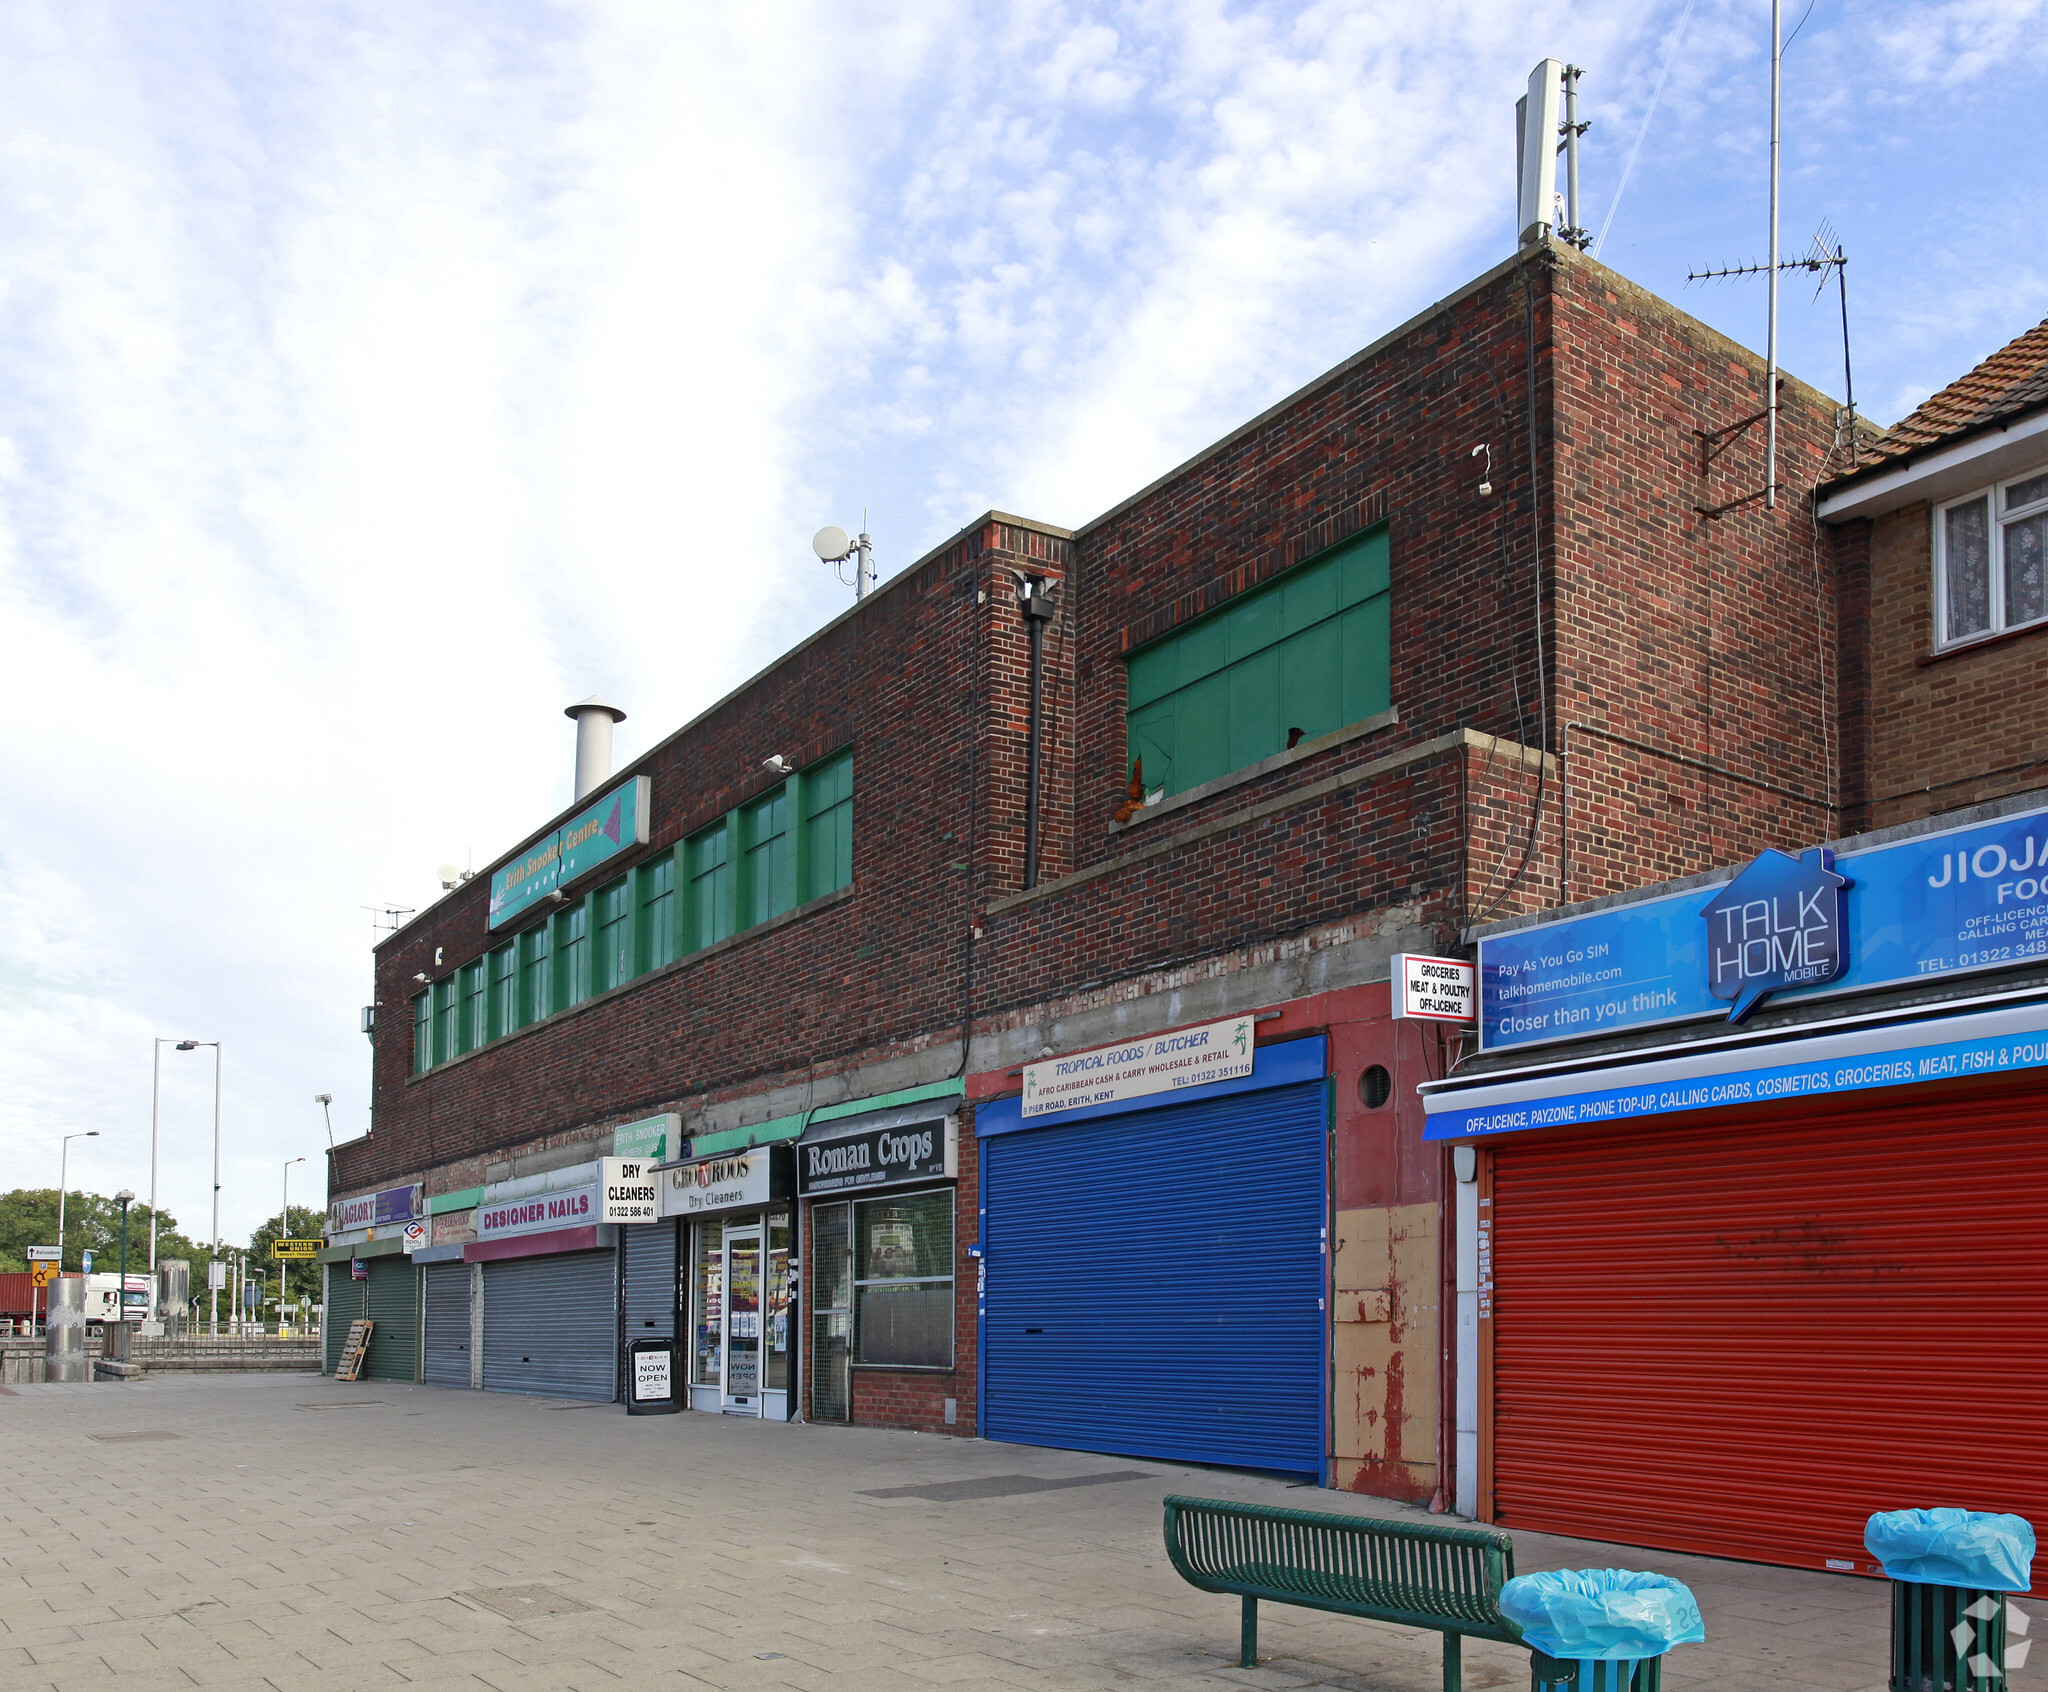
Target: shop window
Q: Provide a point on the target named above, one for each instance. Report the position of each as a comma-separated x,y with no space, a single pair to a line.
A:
1296,658
572,955
422,1033
708,856
537,972
1991,560
447,1020
707,1301
657,923
504,1011
770,868
611,958
831,1352
775,1306
475,1005
827,799
903,1280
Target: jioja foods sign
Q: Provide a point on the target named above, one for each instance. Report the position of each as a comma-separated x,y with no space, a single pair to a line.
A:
879,1157
575,1207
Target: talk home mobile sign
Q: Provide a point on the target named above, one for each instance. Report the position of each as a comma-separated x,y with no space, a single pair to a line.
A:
614,824
1946,903
1159,1063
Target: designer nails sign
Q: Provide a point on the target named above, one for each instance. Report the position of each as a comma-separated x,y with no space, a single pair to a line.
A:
1158,1063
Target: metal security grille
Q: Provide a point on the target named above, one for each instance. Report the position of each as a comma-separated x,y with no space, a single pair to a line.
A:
551,1325
444,1352
650,1280
391,1299
831,1312
1155,1282
1741,1339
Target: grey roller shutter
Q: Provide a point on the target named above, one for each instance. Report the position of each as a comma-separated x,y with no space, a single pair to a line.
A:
551,1325
444,1351
650,1281
1155,1282
392,1301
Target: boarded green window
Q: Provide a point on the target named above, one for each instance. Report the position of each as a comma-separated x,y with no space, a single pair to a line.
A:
572,955
537,973
770,885
611,963
504,992
422,1033
708,856
1307,651
657,927
827,795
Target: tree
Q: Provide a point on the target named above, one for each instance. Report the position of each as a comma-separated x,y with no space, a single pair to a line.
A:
302,1279
92,1222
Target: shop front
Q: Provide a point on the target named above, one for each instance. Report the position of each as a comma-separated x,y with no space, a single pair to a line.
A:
1155,1272
880,1196
550,1288
1733,1288
730,1224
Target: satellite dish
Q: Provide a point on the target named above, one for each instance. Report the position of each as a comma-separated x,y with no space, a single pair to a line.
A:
447,875
831,543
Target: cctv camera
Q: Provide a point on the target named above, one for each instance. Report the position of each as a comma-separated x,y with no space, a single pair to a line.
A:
776,764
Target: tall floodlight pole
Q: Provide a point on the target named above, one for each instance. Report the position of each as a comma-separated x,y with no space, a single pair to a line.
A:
63,1179
1771,334
213,1247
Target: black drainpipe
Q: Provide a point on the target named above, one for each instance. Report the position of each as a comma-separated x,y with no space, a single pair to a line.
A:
1034,598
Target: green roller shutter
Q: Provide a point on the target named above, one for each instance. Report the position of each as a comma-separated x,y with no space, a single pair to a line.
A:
391,1299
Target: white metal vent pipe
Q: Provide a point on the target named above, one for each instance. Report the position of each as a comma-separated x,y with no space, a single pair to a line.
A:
594,719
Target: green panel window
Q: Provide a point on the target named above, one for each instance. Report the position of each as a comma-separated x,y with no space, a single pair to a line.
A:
447,1020
827,791
572,955
657,925
1308,651
475,1005
611,961
769,887
536,973
708,855
504,1011
422,1033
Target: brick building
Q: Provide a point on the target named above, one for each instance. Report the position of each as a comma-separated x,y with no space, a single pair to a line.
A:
1055,804
1752,1163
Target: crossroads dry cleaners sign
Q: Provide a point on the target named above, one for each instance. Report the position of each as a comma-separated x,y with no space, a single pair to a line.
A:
1160,1063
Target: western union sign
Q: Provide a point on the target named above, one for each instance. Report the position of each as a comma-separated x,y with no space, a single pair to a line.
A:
294,1250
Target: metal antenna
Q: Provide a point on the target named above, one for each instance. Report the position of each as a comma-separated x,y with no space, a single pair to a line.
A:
1771,348
1571,129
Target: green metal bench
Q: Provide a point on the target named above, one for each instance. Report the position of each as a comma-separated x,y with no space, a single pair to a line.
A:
1445,1578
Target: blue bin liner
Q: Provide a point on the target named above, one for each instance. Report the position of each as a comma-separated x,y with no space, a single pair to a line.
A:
1945,1547
1602,1615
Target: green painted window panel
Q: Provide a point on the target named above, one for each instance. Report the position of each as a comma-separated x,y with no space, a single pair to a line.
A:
709,862
572,955
771,858
657,936
504,1006
475,1005
828,825
1307,651
422,1033
447,1026
611,960
537,973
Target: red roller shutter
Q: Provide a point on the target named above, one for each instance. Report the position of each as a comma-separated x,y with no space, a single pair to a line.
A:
1742,1339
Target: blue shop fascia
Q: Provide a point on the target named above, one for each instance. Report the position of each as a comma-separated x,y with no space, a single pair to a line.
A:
1751,1199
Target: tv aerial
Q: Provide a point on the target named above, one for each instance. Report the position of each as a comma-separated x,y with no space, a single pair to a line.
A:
835,546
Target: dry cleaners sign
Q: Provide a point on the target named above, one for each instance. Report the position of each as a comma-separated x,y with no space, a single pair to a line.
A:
717,1183
573,1207
1159,1063
879,1157
631,1191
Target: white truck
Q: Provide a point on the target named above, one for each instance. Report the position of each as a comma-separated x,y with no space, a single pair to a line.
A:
105,1300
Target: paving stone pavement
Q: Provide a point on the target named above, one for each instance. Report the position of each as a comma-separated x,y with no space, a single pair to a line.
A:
303,1535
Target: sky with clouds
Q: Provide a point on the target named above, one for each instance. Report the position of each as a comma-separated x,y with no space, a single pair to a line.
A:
377,379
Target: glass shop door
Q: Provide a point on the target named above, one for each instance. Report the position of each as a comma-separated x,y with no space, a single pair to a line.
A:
740,1376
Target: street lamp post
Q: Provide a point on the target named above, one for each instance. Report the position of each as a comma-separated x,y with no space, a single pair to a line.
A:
63,1178
213,1248
124,1198
325,1101
284,1223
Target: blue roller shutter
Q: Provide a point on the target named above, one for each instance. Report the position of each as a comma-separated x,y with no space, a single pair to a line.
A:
1155,1282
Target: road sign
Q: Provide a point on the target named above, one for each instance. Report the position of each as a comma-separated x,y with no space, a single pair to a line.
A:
45,1254
42,1274
85,1261
294,1251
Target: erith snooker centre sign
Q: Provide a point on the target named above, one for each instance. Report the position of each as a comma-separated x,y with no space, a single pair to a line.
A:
616,823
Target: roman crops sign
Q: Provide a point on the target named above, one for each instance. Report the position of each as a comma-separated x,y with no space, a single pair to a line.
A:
1158,1063
879,1157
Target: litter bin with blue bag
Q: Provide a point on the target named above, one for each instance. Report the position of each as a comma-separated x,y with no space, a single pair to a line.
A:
1950,1571
1600,1630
